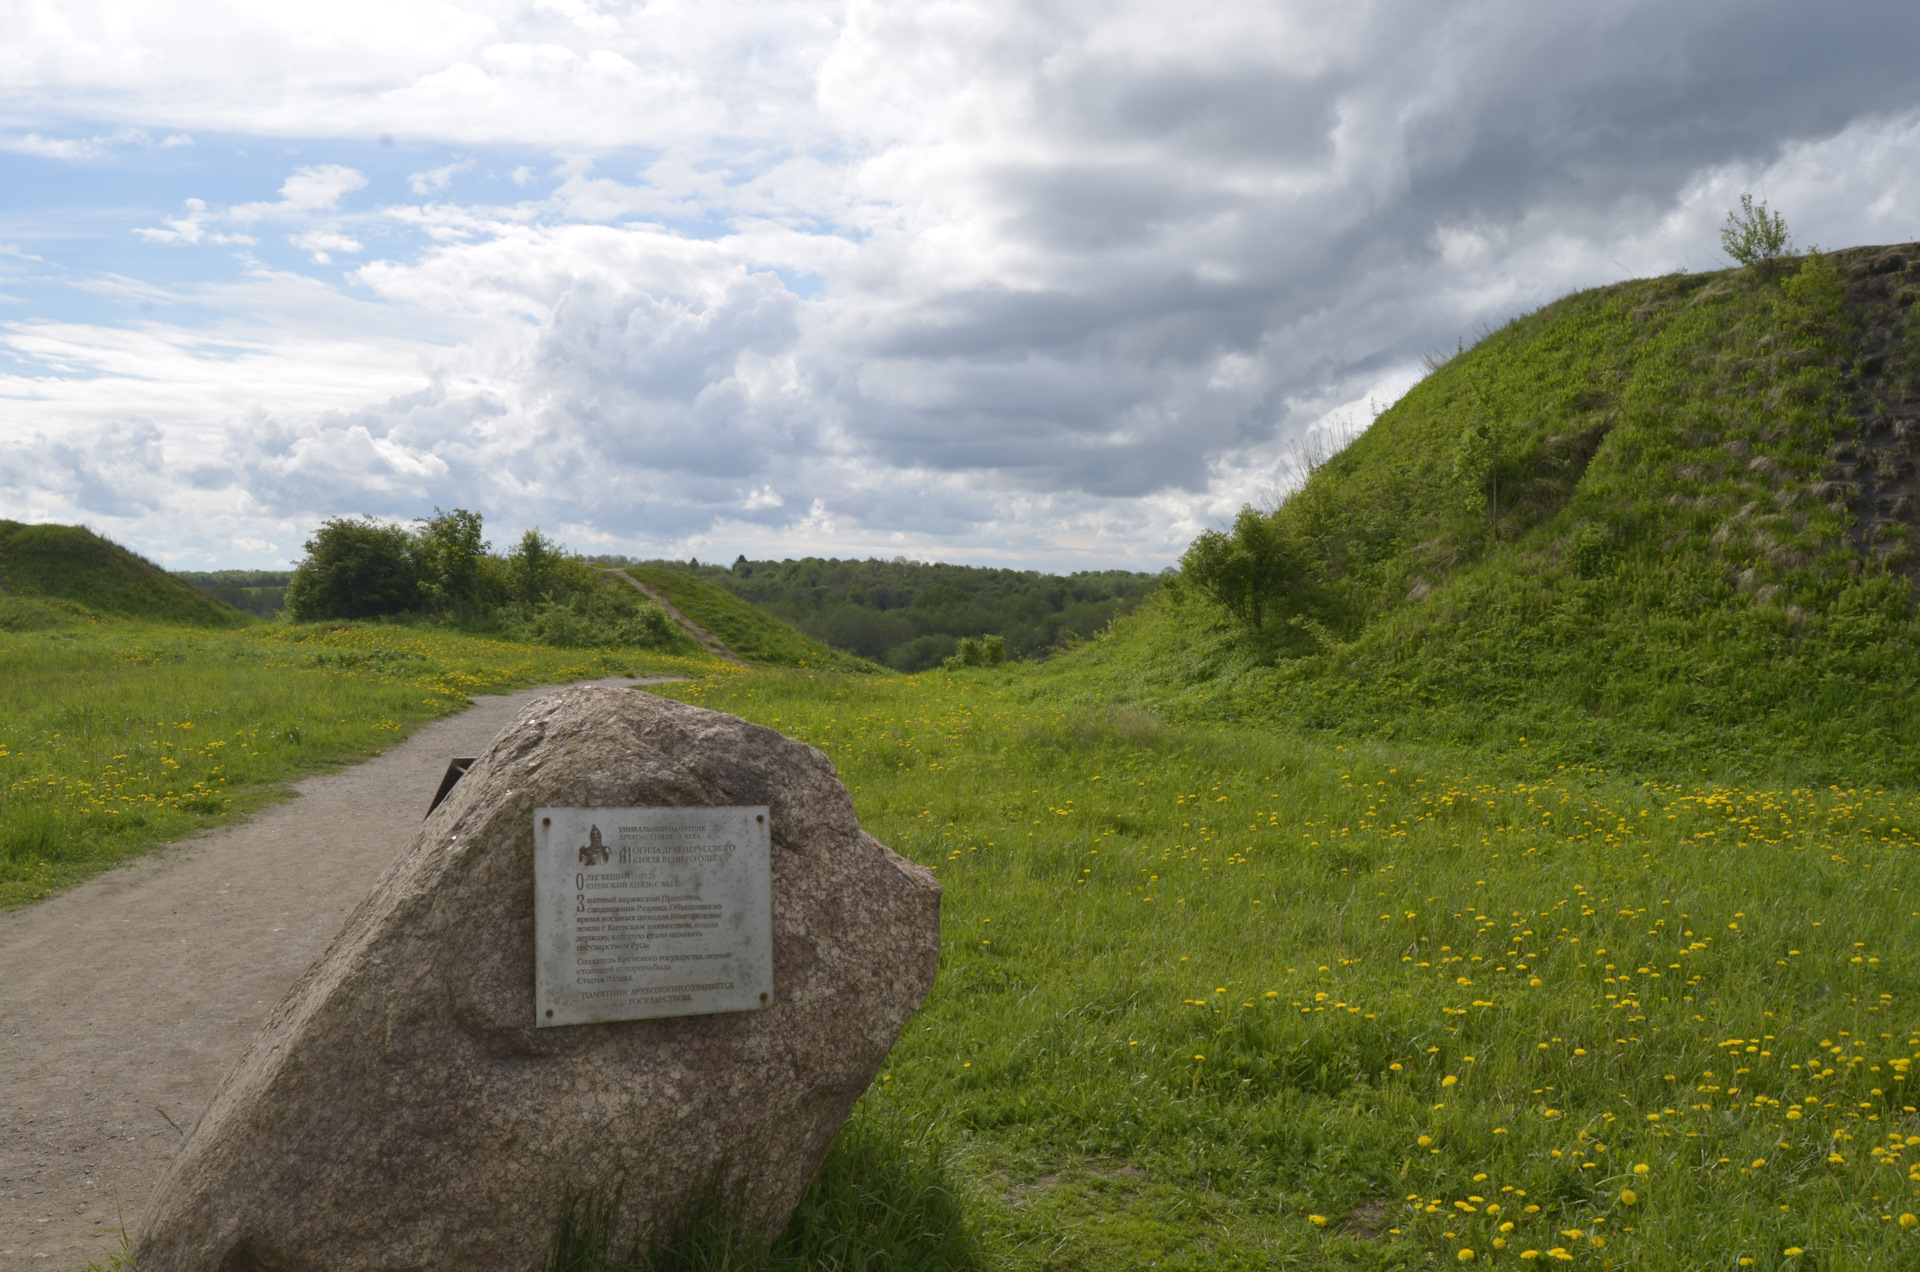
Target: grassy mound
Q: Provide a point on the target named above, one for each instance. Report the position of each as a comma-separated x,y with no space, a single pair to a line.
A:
749,631
73,564
1663,523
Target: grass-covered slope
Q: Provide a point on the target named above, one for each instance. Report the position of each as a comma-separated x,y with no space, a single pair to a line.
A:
73,564
749,631
1662,523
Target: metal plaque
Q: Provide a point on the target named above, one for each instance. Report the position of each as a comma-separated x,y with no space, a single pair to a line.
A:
643,912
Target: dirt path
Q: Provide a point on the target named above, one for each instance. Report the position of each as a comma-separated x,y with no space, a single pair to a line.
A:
125,1001
715,646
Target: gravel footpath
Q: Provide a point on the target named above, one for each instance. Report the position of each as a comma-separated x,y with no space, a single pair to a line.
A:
124,1001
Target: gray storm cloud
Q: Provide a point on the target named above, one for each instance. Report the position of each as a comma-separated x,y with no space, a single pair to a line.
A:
1055,280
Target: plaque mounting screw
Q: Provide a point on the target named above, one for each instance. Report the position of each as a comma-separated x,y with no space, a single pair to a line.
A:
547,821
550,1010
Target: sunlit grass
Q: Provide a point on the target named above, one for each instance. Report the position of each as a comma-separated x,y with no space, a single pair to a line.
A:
1211,997
115,737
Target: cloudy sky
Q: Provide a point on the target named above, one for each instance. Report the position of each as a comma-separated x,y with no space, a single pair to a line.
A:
1049,284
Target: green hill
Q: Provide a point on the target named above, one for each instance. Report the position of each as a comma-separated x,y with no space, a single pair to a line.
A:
1664,523
72,564
749,631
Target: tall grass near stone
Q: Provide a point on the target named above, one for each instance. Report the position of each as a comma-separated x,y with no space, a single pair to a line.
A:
883,1201
1218,997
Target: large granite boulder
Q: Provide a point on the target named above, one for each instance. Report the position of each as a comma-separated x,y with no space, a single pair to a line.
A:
400,1110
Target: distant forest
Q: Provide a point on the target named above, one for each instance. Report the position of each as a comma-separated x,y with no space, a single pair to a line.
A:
910,616
905,614
255,591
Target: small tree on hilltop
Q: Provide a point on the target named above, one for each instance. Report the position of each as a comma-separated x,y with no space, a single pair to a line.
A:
356,567
1755,236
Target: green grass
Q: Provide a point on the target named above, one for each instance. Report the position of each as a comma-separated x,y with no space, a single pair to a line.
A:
116,737
1201,984
750,632
72,564
882,1200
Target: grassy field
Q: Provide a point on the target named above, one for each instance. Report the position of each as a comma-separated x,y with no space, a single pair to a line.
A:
118,736
1214,997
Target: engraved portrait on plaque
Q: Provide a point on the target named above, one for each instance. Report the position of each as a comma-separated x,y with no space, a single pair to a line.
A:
644,912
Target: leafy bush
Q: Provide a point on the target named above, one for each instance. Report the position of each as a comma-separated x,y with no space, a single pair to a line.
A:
1248,570
355,567
532,564
988,651
450,555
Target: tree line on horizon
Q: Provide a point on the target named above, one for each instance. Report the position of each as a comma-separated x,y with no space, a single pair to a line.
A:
903,614
443,567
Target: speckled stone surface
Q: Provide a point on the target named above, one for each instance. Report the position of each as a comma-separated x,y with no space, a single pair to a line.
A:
401,1111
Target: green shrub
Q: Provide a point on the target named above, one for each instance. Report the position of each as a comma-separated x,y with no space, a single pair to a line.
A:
1755,236
988,651
356,567
450,553
532,564
1247,570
